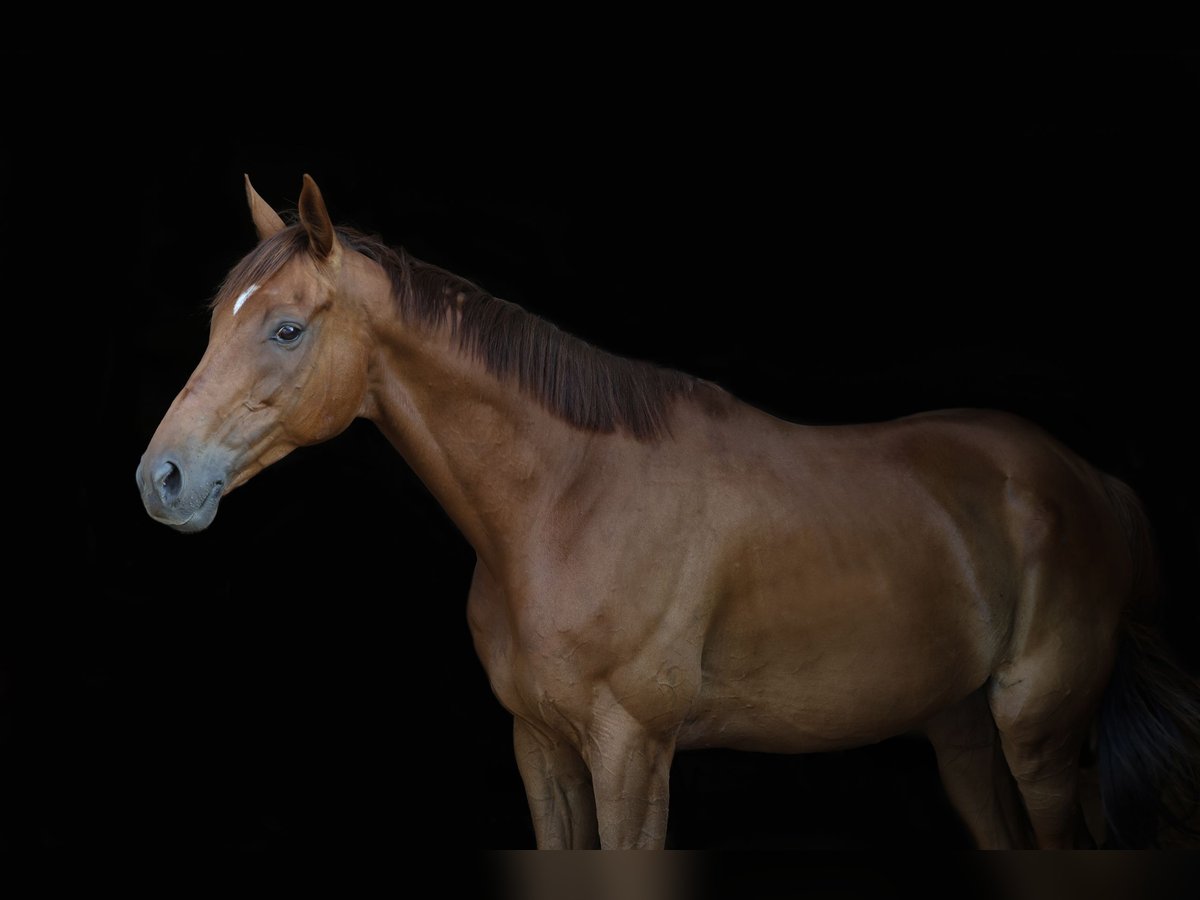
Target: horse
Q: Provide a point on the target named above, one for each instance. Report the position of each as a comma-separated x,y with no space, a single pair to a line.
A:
661,567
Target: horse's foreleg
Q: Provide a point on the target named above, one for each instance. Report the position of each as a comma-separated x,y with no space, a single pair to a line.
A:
559,789
631,771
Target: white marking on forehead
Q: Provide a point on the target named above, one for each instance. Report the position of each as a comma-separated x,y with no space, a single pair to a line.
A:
237,304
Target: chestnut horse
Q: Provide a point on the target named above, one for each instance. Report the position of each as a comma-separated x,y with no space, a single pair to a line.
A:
661,567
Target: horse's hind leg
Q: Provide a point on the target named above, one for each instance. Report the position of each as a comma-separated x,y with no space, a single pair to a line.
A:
1043,719
976,776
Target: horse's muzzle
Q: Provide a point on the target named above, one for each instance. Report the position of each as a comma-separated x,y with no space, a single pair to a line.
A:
176,495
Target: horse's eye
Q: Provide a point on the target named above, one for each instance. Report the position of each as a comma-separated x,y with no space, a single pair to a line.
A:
288,333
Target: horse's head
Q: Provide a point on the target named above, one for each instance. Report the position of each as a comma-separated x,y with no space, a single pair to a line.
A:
286,366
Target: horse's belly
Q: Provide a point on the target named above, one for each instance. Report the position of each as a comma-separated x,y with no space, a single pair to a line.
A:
808,689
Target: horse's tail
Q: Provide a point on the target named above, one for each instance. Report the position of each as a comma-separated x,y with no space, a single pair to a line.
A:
1149,727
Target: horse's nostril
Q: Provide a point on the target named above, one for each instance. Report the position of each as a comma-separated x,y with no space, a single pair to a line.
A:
168,482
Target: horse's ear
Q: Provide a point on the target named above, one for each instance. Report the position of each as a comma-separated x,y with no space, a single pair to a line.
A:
315,218
266,220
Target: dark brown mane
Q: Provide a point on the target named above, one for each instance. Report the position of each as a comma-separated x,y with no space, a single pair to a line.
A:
581,384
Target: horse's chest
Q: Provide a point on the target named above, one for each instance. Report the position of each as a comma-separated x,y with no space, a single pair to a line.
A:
549,658
546,685
533,667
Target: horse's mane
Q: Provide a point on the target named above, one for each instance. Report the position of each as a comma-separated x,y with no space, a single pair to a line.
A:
579,383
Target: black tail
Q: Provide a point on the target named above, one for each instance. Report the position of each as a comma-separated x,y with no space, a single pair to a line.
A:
1149,741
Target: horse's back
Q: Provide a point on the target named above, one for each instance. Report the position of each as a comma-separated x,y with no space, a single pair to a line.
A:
985,471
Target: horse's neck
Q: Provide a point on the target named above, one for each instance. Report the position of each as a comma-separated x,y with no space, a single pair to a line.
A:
492,456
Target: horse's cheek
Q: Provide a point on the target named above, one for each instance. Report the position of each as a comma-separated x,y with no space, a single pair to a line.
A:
339,382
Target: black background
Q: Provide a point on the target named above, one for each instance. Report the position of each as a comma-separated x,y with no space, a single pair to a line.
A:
833,243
